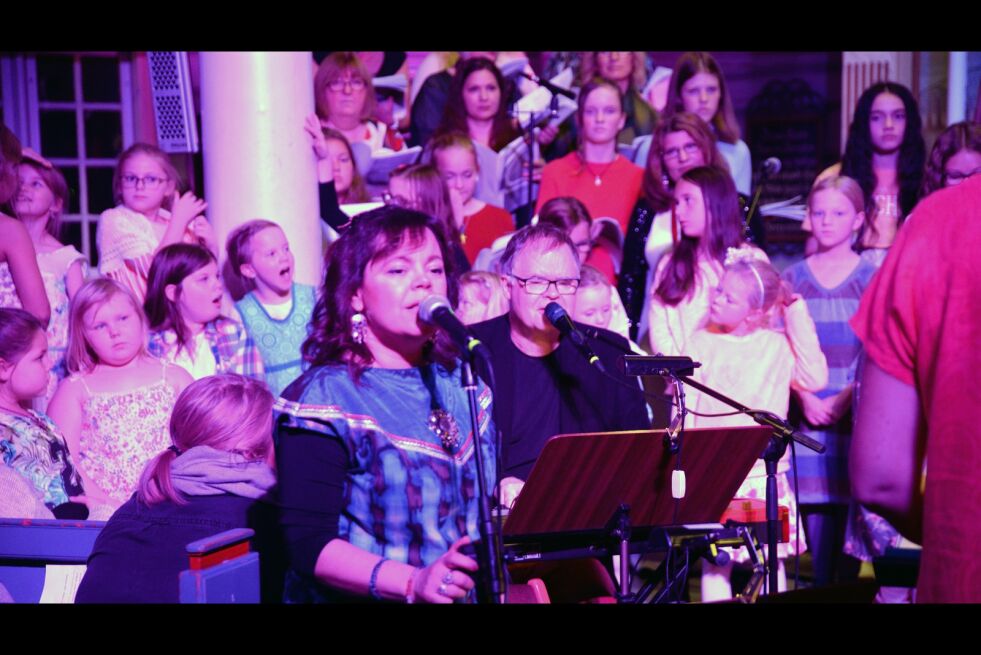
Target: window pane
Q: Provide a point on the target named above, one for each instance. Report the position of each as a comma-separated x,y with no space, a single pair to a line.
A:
100,79
58,135
100,190
94,255
71,177
54,78
71,234
103,134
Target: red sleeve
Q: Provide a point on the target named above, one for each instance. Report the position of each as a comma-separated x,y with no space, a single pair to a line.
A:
549,188
886,320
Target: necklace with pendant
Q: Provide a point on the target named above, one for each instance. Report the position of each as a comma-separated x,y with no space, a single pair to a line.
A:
444,426
598,177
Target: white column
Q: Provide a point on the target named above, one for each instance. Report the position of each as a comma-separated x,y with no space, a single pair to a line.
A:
257,159
956,87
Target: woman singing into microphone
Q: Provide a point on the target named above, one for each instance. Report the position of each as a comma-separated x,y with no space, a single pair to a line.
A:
375,451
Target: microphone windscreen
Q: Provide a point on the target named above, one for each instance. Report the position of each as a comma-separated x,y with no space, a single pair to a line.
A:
429,306
555,313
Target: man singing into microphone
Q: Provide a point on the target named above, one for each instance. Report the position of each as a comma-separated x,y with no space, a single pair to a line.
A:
545,384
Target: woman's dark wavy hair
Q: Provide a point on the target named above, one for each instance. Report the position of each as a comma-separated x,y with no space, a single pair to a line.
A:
656,193
959,136
170,266
372,235
723,230
856,163
455,114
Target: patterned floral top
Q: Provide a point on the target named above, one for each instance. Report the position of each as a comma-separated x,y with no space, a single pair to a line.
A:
8,292
121,432
54,267
34,447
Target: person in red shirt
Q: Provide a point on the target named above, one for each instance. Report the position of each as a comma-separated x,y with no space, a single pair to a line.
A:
604,181
478,222
919,394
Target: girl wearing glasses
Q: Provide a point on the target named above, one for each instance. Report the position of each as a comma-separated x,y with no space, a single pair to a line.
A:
345,98
680,143
956,156
151,214
420,187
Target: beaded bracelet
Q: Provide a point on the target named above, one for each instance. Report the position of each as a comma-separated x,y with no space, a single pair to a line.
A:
373,582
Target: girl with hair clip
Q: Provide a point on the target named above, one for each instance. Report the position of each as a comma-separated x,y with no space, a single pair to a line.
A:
114,406
151,214
378,482
481,297
710,220
183,307
680,143
276,310
215,475
31,446
478,222
628,70
885,154
956,156
41,197
345,98
832,282
756,365
20,280
420,187
699,87
606,182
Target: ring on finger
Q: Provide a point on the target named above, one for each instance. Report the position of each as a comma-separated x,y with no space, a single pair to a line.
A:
448,578
442,589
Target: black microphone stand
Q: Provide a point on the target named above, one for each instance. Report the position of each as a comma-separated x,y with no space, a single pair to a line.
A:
488,551
528,132
783,432
764,177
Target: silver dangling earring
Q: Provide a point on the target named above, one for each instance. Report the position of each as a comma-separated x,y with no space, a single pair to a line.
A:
359,325
665,181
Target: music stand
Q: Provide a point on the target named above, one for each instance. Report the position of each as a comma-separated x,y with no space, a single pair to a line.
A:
583,485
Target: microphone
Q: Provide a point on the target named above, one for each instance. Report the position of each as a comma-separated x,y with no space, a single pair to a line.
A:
772,166
437,311
552,88
558,317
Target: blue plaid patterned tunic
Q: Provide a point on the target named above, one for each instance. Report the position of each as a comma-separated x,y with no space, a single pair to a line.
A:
406,496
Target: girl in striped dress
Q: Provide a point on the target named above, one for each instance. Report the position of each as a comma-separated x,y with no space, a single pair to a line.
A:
831,281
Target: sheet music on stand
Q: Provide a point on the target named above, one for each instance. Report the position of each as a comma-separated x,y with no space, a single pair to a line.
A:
579,480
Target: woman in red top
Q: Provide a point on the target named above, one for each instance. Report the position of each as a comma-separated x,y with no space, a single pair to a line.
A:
478,222
605,182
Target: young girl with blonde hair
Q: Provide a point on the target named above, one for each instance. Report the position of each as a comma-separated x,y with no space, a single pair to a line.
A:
151,214
757,365
114,406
